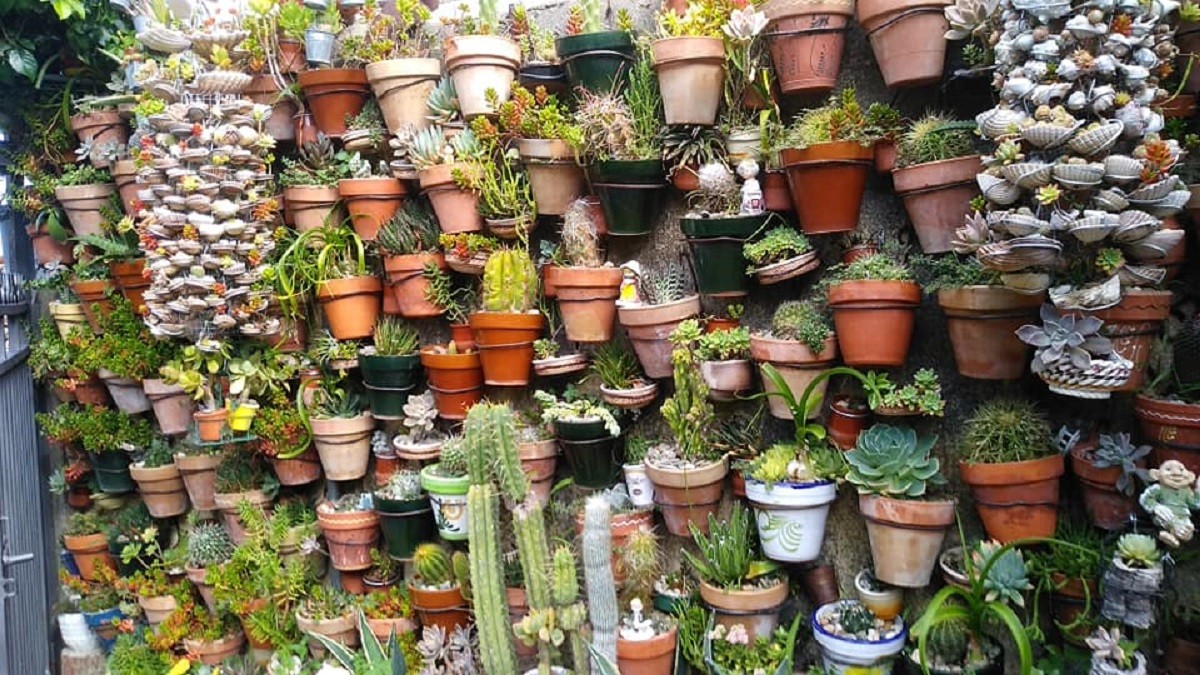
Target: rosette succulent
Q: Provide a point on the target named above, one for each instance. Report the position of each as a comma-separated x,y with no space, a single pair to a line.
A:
1065,336
893,461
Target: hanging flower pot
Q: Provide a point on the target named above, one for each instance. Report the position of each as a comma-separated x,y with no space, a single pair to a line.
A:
126,394
371,202
112,472
505,342
405,524
791,517
333,94
402,87
131,281
691,76
264,90
649,326
227,503
456,381
389,380
798,365
47,249
124,173
1016,500
727,380
82,204
555,179
309,207
1107,507
598,62
805,41
827,182
161,488
94,300
590,450
210,424
844,653
874,320
885,155
68,317
171,404
89,552
982,322
630,193
587,301
344,445
448,497
351,305
101,128
478,63
906,36
717,258
457,210
937,195
906,536
405,275
688,496
551,76
1132,325
1172,428
199,473
756,609
351,535
303,469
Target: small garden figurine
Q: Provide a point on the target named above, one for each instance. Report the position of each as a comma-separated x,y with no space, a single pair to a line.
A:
1112,655
1170,500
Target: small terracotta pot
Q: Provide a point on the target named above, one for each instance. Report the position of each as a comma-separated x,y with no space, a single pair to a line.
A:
406,276
982,322
847,420
210,424
157,608
1016,499
691,74
874,320
172,406
587,301
538,461
197,576
555,178
264,90
827,182
505,343
162,489
383,629
47,249
805,41
1172,428
757,610
130,279
305,128
308,208
301,470
655,656
462,336
124,173
798,366
91,392
402,86
1107,507
688,497
291,56
69,317
777,196
351,581
342,630
440,607
351,306
457,210
82,204
649,326
350,536
478,63
906,36
885,155
100,128
94,300
456,381
199,473
1071,598
1133,325
820,582
89,551
213,653
333,94
937,195
344,445
371,202
906,536
727,380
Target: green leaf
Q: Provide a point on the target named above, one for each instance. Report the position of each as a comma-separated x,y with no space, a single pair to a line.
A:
1017,629
23,61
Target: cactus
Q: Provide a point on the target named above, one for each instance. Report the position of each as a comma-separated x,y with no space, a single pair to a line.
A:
663,285
461,563
490,603
580,242
571,613
529,523
641,563
488,17
432,564
510,282
593,16
597,573
947,641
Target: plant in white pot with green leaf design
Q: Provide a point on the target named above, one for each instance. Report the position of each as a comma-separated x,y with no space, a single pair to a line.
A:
638,484
725,362
446,482
588,433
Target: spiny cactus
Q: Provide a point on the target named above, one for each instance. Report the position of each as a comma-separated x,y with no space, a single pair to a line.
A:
432,564
529,523
453,461
510,282
598,576
856,619
593,15
488,595
209,544
488,16
580,241
572,613
462,572
947,641
641,563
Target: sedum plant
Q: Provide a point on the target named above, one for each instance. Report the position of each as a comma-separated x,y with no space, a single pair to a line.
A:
802,320
777,245
577,410
724,345
893,462
842,119
1138,551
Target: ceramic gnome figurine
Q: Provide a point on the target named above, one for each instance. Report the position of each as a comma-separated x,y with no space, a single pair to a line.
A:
1171,500
752,195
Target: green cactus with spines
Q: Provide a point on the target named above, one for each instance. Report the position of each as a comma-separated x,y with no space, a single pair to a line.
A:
593,16
948,641
598,576
433,565
529,523
488,16
572,613
487,582
461,564
510,282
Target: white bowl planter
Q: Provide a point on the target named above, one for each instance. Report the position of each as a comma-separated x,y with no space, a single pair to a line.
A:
842,655
791,517
75,633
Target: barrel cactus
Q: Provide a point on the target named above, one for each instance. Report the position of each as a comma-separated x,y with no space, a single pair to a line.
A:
433,565
893,461
510,282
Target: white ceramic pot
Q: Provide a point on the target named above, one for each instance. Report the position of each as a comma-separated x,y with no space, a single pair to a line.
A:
842,655
75,633
791,517
450,512
641,488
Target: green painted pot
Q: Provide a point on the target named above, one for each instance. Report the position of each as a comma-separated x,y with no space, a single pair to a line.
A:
630,192
716,246
448,497
405,524
389,380
112,472
598,62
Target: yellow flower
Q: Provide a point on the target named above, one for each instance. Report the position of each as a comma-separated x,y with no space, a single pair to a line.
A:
181,666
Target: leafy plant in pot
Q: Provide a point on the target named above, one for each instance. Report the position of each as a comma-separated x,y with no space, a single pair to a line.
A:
83,191
800,345
86,539
780,254
242,478
310,184
371,195
108,436
503,191
409,244
286,441
405,516
588,433
446,482
195,372
335,86
546,138
508,323
478,58
1107,469
1070,572
341,430
440,587
622,384
330,614
660,307
90,282
333,259
351,528
390,367
936,164
874,301
454,201
724,358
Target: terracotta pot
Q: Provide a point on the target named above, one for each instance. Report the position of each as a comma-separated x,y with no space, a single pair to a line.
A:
1016,499
715,325
1133,327
874,320
79,497
1071,598
688,496
1172,428
172,406
265,90
344,445
291,56
936,195
587,301
91,392
351,306
157,609
402,86
906,36
305,128
198,473
371,202
333,94
197,576
100,128
94,301
213,653
342,630
885,155
68,317
505,342
906,536
477,63
129,278
127,395
406,277
228,504
456,381
777,196
649,326
350,537
292,335
440,607
1175,258
210,424
462,336
82,204
806,42
1181,656
47,249
820,583
124,173
89,551
162,489
982,322
538,461
383,629
457,210
827,183
655,656
555,179
1107,507
300,470
727,380
798,366
691,76
1179,106
309,208
757,610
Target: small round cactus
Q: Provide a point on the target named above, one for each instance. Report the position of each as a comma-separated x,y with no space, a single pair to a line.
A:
433,565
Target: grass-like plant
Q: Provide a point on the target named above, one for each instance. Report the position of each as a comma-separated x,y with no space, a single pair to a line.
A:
935,138
727,554
615,366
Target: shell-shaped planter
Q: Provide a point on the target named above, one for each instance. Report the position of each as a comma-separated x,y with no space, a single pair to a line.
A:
787,269
1112,200
997,121
1155,245
1028,175
1141,275
1079,175
1122,168
1021,224
560,365
1154,191
1046,136
1098,140
1028,283
1135,225
1097,381
997,190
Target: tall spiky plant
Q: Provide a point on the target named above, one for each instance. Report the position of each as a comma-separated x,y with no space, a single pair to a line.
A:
598,575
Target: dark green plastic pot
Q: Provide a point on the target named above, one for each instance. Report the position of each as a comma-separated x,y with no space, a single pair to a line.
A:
389,380
630,192
112,472
716,246
552,76
591,452
406,524
598,62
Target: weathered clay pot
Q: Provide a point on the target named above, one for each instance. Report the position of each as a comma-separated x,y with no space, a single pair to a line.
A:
439,607
89,551
227,503
691,74
162,489
127,395
874,320
172,406
906,36
456,381
197,576
402,87
478,63
157,608
405,274
333,94
982,322
757,610
131,281
82,204
342,630
371,202
555,179
351,305
124,173
100,128
1133,325
350,536
94,301
457,210
1107,507
937,195
265,90
655,656
309,208
300,470
649,326
344,445
217,651
1172,428
727,380
798,366
47,249
806,42
1016,499
198,473
538,461
906,536
587,301
688,496
827,182
68,317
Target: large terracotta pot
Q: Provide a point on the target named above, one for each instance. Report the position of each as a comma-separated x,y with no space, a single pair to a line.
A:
555,178
344,445
478,63
69,317
47,249
1172,428
342,630
172,406
265,90
215,652
587,299
906,536
757,610
124,173
806,42
456,381
402,86
333,94
162,489
1016,499
439,607
199,473
691,77
982,322
371,202
505,343
1133,327
937,195
130,280
94,300
1107,507
303,469
228,504
89,551
82,204
351,306
406,277
796,364
874,320
351,536
100,128
655,656
649,327
457,210
906,36
688,496
308,207
827,182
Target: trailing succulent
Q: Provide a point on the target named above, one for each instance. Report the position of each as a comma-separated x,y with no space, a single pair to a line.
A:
893,461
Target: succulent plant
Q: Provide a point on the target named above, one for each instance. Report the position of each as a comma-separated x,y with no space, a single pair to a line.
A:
427,148
1007,577
443,101
855,618
892,461
580,241
420,415
1116,451
1065,336
208,544
510,281
453,460
662,285
1108,647
968,16
402,486
1139,551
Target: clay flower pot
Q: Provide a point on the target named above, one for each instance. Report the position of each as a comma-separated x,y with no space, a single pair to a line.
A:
172,406
906,36
130,280
333,94
906,536
691,76
68,317
456,381
263,89
885,155
874,320
798,366
1172,428
291,56
1107,507
100,128
757,609
94,301
777,196
157,609
982,322
820,583
344,445
538,461
350,535
791,517
198,473
727,380
405,274
477,63
649,326
227,503
402,86
197,576
1016,499
1133,325
47,249
310,207
805,41
457,210
443,607
555,179
124,173
688,496
827,182
505,343
342,630
91,392
351,306
127,395
371,202
82,204
211,424
587,299
89,551
300,470
162,489
217,651
936,195
655,656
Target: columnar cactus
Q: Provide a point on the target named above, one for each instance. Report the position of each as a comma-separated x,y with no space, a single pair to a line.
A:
530,525
489,18
487,567
571,612
510,282
597,574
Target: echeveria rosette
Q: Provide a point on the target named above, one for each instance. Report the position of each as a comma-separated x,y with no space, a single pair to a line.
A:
1064,336
893,462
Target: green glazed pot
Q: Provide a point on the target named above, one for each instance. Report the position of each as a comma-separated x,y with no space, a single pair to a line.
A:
405,524
389,380
448,497
598,62
112,472
630,192
716,246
